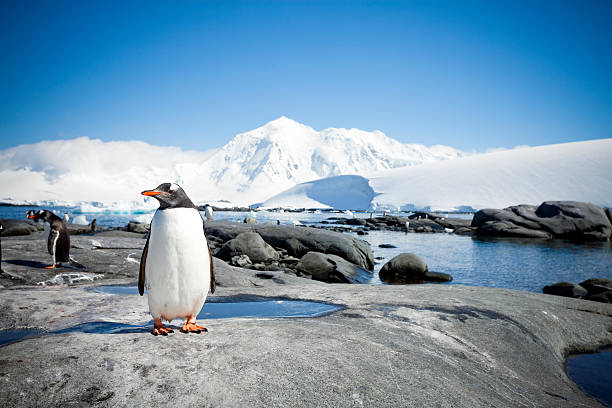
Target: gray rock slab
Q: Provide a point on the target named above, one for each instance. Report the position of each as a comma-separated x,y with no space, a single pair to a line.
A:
417,346
248,243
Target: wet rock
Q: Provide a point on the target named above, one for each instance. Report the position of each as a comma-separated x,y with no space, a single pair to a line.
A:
465,231
567,289
437,277
404,268
332,269
387,246
248,243
510,230
250,220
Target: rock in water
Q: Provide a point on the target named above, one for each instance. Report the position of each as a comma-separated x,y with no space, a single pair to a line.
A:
595,286
332,269
404,268
552,219
251,244
567,289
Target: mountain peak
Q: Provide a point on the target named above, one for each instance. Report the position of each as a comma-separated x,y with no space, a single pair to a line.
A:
283,121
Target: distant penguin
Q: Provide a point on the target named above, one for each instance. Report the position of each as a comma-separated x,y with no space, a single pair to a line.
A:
208,211
93,225
407,226
58,240
176,266
66,218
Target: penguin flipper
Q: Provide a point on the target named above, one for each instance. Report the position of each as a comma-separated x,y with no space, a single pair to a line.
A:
213,282
143,264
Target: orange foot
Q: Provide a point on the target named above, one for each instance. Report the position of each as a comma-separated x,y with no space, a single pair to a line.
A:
50,267
190,326
159,328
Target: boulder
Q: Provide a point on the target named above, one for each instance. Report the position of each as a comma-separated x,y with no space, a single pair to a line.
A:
248,243
437,277
298,241
603,297
595,286
19,227
387,246
551,219
332,269
250,220
567,289
508,229
404,268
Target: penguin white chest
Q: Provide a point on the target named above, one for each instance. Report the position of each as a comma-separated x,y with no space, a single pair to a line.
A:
177,272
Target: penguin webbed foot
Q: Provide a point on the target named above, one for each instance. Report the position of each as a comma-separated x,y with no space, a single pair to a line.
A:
193,328
53,266
159,329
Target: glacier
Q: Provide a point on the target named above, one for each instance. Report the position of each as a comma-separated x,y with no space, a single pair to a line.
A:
578,171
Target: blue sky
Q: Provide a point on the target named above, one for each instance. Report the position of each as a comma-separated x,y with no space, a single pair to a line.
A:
468,74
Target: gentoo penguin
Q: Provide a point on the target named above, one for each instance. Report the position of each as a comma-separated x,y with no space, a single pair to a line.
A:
58,240
208,211
93,225
66,218
176,266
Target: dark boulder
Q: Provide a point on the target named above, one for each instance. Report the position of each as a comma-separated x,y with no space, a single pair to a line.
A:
248,243
552,219
332,269
508,229
567,289
387,246
19,227
437,277
404,268
137,227
298,241
595,286
603,297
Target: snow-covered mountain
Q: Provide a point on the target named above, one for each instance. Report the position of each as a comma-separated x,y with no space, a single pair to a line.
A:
284,152
250,168
579,171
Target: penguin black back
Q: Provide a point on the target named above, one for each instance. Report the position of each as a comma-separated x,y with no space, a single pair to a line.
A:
58,243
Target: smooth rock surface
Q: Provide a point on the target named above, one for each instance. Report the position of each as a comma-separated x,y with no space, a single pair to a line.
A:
567,289
391,346
332,269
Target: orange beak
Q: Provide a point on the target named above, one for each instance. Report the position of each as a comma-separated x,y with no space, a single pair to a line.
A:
31,216
152,193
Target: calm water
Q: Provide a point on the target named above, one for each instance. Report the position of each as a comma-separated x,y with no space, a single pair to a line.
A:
593,373
504,263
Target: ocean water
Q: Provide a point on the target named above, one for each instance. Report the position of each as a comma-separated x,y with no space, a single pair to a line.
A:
504,263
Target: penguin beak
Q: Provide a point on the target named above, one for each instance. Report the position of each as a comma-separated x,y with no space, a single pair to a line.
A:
31,216
152,193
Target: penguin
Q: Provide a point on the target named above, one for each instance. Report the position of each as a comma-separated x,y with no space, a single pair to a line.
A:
176,265
208,211
58,240
66,218
93,225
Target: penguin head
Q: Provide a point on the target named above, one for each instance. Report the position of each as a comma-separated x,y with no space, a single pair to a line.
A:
38,215
169,195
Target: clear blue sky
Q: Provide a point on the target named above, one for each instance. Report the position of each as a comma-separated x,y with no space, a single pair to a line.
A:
470,74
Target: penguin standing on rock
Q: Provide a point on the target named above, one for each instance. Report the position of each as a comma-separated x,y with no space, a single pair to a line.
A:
58,240
176,266
208,211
